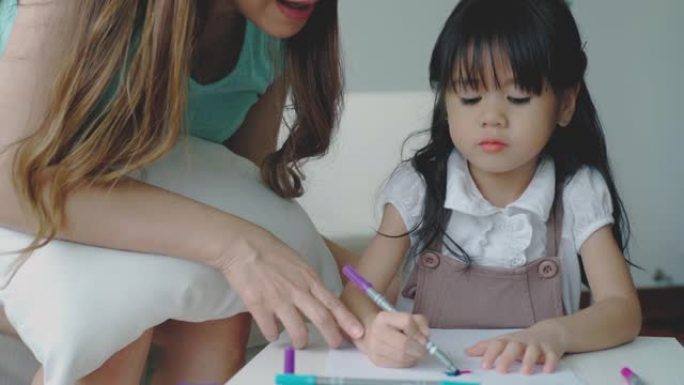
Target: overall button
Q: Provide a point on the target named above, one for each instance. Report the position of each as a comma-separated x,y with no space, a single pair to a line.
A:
410,292
517,262
548,269
431,261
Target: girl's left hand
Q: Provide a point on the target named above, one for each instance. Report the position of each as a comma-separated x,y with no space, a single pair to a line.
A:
542,343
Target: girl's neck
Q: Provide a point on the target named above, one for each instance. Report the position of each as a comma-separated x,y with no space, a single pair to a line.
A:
502,189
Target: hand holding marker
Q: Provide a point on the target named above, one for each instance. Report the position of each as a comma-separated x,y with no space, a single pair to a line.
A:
379,300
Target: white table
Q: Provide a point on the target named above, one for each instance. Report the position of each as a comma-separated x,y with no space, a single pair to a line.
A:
658,360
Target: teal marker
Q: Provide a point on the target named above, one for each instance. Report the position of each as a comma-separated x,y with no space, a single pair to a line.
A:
299,379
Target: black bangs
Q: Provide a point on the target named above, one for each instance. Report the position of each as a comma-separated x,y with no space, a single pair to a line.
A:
518,38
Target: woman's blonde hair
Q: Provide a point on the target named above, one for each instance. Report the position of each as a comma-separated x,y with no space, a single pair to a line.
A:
116,106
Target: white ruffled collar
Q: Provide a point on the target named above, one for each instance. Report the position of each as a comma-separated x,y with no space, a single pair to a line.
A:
463,195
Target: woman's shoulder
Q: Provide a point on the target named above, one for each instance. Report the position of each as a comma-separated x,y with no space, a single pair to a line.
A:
36,43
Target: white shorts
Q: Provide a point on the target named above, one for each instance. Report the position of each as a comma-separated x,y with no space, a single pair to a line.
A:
74,305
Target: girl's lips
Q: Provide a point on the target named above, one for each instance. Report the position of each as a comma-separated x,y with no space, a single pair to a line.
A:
492,146
299,10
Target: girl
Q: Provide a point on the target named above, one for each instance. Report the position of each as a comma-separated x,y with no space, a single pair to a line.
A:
510,201
91,91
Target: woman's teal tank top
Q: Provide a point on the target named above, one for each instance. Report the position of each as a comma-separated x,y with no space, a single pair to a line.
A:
215,111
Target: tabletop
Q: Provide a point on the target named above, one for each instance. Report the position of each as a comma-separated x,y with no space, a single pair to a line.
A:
657,360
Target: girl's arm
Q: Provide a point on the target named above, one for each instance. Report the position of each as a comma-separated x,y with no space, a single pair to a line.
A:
342,256
615,316
613,319
268,275
379,264
392,339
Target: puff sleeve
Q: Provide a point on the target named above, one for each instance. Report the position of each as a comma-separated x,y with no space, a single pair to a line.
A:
405,190
587,200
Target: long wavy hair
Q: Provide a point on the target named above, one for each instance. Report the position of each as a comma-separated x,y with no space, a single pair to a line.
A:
541,40
92,134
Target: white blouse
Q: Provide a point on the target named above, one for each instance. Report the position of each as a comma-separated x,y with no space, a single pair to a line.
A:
516,234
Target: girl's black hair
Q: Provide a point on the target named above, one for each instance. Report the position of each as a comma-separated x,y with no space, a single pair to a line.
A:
542,44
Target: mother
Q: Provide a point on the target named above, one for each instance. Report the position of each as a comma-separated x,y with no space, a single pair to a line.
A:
92,92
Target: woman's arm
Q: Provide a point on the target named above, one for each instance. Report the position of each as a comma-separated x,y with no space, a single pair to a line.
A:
258,137
138,216
258,134
272,280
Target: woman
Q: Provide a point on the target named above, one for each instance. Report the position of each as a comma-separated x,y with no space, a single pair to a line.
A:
93,92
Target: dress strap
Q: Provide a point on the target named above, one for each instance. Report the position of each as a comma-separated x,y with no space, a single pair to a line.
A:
554,226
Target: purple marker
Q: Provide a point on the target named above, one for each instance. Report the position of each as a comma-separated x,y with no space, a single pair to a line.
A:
382,302
289,360
631,377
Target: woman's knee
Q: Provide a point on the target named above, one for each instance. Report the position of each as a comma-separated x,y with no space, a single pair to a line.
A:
5,326
204,351
125,366
225,334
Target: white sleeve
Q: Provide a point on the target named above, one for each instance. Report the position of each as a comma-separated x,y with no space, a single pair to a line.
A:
587,199
405,190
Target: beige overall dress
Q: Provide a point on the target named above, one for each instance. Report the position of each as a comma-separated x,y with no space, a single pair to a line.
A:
453,295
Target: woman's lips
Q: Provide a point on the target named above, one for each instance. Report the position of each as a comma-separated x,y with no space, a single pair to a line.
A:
299,10
492,145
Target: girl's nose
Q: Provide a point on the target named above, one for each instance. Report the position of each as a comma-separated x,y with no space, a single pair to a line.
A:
493,115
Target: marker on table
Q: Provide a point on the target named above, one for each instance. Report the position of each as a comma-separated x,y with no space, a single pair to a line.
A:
631,377
289,367
379,300
298,379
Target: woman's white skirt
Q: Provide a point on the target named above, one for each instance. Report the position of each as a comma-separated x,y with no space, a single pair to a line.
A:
74,305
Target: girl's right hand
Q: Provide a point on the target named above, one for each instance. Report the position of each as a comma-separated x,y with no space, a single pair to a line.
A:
395,339
274,282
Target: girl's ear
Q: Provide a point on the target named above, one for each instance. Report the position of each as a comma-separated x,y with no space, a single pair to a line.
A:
568,102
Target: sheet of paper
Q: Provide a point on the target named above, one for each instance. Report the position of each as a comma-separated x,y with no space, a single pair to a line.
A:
349,362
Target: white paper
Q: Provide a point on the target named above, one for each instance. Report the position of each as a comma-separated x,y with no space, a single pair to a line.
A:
349,362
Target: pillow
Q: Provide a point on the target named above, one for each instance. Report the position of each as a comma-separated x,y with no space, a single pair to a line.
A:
75,305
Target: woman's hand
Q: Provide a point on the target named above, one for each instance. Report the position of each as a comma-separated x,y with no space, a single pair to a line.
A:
542,343
395,339
274,282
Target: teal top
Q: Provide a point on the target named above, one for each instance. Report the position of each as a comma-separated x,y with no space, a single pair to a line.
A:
8,11
216,110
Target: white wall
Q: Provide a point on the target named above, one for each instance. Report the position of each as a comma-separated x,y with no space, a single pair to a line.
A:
635,59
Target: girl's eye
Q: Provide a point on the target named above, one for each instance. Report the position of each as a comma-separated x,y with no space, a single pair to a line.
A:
470,101
524,100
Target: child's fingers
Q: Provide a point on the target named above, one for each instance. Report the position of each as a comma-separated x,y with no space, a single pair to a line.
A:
423,324
511,352
531,357
478,349
494,349
392,348
404,322
407,349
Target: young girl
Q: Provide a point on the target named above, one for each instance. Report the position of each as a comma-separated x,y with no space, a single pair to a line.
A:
497,218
